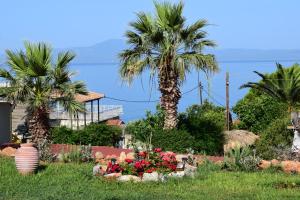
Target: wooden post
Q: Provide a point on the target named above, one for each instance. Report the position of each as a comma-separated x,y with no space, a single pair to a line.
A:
98,102
84,114
77,121
92,113
227,102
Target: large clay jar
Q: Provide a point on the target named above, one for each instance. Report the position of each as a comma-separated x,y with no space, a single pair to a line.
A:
27,158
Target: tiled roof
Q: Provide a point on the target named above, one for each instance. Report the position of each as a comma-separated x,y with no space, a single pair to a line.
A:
114,122
89,97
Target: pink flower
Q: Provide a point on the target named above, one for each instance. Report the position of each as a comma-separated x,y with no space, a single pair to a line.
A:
157,150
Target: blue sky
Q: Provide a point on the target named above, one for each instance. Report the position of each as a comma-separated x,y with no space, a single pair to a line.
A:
262,24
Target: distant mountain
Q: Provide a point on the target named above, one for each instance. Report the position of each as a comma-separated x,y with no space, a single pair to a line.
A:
107,52
104,52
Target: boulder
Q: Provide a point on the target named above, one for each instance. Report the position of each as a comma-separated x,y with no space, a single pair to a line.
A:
99,155
130,155
96,169
150,177
275,163
8,151
180,156
126,178
239,138
264,164
290,166
113,175
122,156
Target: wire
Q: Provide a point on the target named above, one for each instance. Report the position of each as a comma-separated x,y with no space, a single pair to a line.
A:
212,98
191,90
147,101
131,101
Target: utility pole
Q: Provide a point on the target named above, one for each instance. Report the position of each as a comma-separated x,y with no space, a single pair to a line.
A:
227,102
200,93
200,89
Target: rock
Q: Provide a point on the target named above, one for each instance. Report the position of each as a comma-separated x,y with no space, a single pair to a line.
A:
190,170
130,155
275,163
178,174
179,165
8,151
99,155
238,138
179,157
96,169
60,157
122,156
126,178
112,175
264,164
289,166
150,177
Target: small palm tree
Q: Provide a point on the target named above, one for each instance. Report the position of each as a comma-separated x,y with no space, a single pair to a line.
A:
284,86
38,83
166,46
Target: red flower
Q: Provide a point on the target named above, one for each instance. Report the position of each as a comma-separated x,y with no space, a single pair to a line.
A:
157,150
151,170
138,165
142,154
128,160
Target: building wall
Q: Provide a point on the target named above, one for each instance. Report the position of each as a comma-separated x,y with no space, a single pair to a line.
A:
5,122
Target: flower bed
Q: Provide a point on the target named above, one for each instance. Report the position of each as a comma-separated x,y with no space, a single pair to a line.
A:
146,166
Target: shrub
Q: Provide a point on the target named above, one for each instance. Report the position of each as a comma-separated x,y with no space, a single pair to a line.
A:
93,134
256,111
141,129
273,137
173,140
206,124
199,128
99,134
63,135
241,159
78,155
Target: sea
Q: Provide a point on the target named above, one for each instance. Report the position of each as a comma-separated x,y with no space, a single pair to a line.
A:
142,94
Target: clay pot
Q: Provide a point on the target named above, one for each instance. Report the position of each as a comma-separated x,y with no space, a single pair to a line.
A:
27,158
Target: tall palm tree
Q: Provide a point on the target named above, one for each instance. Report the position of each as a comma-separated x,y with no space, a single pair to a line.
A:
166,46
38,83
284,86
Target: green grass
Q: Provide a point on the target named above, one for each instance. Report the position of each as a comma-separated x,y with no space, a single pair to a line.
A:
74,181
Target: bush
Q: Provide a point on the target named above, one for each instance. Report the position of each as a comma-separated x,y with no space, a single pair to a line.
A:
206,124
273,137
200,128
173,140
256,111
63,135
141,129
93,134
241,159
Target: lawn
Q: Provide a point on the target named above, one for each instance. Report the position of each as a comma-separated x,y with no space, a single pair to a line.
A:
74,181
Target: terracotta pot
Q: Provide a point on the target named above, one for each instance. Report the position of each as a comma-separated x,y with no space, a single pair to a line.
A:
27,158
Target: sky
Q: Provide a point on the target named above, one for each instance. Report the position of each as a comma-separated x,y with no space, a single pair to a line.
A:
247,24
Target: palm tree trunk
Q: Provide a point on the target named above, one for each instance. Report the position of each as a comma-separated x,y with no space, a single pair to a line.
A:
170,96
38,125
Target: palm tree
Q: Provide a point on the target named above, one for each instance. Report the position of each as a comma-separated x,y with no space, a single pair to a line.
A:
284,86
166,46
38,83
